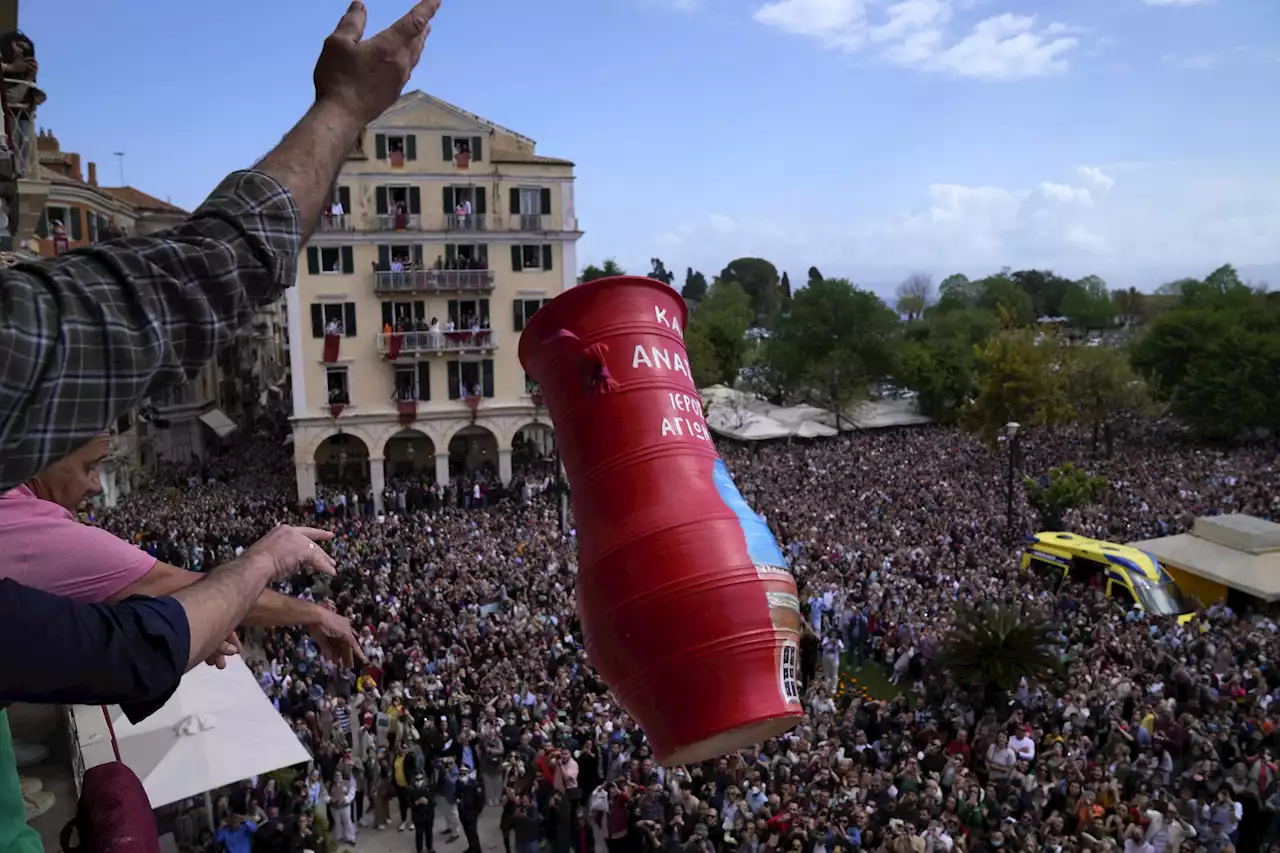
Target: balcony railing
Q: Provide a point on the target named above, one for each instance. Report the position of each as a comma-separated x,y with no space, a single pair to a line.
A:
337,222
433,281
432,343
465,222
531,222
398,222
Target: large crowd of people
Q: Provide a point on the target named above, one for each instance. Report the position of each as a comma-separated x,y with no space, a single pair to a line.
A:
476,693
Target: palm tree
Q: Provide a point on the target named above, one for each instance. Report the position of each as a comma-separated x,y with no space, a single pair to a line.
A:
993,647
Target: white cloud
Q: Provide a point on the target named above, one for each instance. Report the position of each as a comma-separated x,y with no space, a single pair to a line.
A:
917,34
1159,222
1066,193
1097,177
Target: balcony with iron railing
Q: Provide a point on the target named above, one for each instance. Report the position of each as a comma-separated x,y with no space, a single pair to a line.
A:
466,222
437,342
337,222
397,222
432,281
531,221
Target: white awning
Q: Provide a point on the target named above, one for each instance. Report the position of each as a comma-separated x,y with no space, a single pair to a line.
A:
217,420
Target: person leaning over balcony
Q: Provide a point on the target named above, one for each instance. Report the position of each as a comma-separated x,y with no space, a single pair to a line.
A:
88,335
44,547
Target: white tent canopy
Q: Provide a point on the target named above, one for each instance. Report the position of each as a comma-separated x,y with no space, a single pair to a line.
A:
217,729
745,417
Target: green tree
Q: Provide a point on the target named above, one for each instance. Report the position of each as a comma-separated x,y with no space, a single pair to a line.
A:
695,286
992,647
717,335
814,275
786,287
940,363
1019,380
1004,297
1104,388
759,279
1130,305
608,269
1046,290
1064,488
659,272
957,293
1087,305
834,340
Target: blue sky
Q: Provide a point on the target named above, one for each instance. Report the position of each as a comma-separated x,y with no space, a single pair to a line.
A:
1135,139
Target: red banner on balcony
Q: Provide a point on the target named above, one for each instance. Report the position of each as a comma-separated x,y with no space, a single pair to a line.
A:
395,341
408,410
335,409
463,159
332,345
473,402
687,606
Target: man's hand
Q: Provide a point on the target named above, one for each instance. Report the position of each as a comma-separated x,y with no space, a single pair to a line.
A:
334,637
231,646
364,78
290,549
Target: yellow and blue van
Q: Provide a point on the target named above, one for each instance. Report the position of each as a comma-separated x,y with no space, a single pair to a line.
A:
1125,573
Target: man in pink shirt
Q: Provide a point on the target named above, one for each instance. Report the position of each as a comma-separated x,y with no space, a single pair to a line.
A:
45,548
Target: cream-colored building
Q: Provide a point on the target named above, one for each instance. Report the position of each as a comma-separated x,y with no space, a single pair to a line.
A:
450,231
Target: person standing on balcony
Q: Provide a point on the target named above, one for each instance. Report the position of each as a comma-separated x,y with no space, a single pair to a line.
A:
89,334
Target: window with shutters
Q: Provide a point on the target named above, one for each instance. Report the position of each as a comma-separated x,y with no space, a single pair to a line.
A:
530,256
524,310
333,318
462,150
330,259
92,223
466,256
335,380
57,216
465,208
406,388
469,313
470,378
398,148
398,207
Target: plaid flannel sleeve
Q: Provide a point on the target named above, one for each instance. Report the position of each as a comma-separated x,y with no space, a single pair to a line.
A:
85,337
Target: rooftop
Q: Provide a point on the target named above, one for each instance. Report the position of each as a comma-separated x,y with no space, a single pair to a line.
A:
1239,551
144,202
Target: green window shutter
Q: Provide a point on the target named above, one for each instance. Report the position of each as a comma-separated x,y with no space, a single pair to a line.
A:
415,201
546,257
486,379
455,379
513,206
313,260
349,260
450,251
481,203
455,312
349,319
446,148
517,262
42,226
384,258
417,254
77,230
484,314
484,253
411,147
424,380
380,146
448,200
344,199
317,320
517,310
380,201
477,149
419,309
386,314
546,201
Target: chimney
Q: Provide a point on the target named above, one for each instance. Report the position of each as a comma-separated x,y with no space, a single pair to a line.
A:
73,166
93,174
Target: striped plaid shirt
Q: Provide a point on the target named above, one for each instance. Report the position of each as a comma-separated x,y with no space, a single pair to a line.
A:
84,338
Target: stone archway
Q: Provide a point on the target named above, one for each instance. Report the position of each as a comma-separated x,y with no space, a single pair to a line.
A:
342,459
473,450
410,453
533,449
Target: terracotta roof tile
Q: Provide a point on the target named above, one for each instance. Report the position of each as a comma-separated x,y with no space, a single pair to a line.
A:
142,201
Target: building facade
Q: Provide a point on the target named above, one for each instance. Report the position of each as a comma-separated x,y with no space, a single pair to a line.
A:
447,232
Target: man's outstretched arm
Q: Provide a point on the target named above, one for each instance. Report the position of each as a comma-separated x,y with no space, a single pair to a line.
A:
86,336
